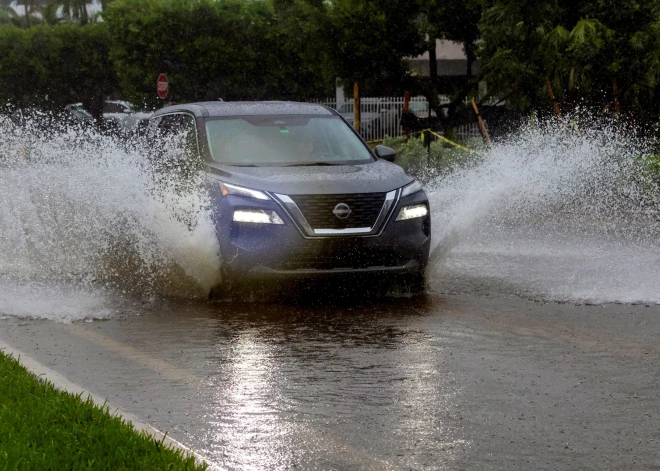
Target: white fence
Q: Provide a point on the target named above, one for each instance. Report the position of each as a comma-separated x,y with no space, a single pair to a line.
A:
380,118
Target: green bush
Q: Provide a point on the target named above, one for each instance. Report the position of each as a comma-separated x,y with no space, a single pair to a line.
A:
50,67
653,163
442,159
230,49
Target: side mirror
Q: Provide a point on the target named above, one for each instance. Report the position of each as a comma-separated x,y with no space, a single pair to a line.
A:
385,153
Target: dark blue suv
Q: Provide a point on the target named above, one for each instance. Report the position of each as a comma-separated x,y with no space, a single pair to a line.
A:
295,192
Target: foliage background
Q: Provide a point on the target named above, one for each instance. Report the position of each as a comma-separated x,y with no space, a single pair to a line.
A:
296,49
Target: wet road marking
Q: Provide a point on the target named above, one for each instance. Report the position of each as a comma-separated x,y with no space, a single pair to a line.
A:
126,351
323,440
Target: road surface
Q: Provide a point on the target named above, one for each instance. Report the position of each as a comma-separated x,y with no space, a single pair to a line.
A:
438,382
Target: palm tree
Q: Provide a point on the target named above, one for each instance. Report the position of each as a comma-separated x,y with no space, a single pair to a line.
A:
49,12
75,10
8,15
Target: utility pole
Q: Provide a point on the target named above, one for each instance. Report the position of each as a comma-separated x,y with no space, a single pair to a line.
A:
356,107
552,98
482,125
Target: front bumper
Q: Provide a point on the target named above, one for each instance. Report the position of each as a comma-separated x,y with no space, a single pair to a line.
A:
264,251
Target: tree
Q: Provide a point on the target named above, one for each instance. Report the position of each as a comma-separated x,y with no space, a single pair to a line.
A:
75,10
367,41
580,46
49,13
8,15
457,21
50,67
230,49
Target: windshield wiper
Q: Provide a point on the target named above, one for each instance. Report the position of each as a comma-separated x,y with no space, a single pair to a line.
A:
242,165
310,164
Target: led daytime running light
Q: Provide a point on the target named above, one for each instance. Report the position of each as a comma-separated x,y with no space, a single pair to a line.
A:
411,189
257,216
229,189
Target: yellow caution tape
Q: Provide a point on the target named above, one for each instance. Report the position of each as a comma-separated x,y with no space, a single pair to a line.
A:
442,138
452,143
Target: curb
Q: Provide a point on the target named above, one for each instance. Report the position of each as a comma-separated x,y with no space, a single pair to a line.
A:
63,384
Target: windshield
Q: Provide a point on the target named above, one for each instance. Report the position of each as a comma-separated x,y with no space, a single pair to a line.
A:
284,140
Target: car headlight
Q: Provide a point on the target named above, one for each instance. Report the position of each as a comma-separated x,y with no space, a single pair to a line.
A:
411,189
228,189
257,216
413,212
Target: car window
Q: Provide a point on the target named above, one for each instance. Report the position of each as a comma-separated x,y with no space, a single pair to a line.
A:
179,130
176,137
284,140
115,108
174,150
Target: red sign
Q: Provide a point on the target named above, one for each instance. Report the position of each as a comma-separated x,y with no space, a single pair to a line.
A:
162,86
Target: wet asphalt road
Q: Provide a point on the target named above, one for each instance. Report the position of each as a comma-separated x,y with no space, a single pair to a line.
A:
456,382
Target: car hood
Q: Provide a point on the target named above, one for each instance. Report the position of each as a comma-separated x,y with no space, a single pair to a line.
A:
379,176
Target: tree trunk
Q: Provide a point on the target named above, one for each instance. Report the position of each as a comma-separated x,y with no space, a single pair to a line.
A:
84,17
27,13
433,64
471,58
432,95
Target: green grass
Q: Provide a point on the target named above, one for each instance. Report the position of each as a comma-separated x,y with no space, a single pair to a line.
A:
42,428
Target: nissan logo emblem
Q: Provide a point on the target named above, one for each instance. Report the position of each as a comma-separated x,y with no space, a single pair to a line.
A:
342,211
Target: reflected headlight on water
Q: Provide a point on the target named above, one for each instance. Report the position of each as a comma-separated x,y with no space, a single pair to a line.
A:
413,212
257,216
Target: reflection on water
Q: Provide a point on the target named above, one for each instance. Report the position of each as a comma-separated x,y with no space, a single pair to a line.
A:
336,387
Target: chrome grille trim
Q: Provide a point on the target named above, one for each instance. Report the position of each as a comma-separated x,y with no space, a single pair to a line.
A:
295,213
308,232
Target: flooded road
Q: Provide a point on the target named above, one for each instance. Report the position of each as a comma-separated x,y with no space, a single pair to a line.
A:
535,346
458,382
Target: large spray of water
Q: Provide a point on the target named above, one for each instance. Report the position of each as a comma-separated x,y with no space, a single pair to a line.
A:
554,213
81,208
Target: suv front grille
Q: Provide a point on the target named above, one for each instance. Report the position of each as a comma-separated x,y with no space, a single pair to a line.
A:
318,209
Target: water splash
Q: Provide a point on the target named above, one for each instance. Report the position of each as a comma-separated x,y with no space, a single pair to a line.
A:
547,213
553,214
81,208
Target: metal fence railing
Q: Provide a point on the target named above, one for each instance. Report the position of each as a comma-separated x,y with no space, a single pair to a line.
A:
380,118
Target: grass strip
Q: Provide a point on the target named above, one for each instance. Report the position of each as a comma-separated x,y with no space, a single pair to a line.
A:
42,428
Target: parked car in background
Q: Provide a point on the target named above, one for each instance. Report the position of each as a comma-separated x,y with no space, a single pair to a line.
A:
78,113
124,116
379,118
421,109
118,115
